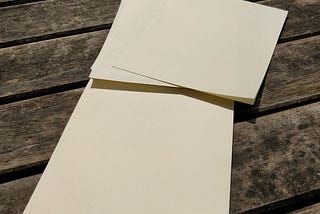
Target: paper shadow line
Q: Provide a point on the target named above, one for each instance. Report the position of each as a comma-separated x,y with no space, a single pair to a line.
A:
138,87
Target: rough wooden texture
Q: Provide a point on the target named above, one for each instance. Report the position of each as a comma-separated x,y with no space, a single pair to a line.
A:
292,77
274,157
50,17
303,16
293,74
45,64
314,209
30,129
6,3
14,195
9,1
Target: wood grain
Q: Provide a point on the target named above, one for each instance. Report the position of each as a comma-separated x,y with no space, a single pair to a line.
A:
46,64
30,129
314,209
275,157
5,3
14,195
12,1
50,17
293,75
303,17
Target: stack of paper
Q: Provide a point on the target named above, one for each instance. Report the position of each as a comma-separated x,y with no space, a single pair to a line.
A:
152,132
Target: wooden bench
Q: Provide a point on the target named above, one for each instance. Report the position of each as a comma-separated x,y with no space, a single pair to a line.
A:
47,48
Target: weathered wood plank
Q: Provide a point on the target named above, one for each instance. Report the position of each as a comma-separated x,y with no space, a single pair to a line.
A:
275,157
313,209
50,17
7,1
30,129
13,2
303,17
46,64
3,1
293,74
14,195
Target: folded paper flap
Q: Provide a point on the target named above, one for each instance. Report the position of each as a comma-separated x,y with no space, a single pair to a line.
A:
219,47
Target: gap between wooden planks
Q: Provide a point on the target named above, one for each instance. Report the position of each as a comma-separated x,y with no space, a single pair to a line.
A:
46,19
34,69
275,157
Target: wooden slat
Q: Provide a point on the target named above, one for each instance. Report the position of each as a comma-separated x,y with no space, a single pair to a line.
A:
14,195
275,157
8,1
292,77
46,64
314,209
293,74
30,129
303,17
50,17
5,3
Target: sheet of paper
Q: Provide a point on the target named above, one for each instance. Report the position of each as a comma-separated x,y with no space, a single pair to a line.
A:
216,46
140,150
132,18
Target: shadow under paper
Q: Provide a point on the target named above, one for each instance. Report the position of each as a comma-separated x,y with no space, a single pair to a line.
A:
137,87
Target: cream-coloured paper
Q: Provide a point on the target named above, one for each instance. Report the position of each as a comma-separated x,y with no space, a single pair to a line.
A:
132,18
133,149
218,46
